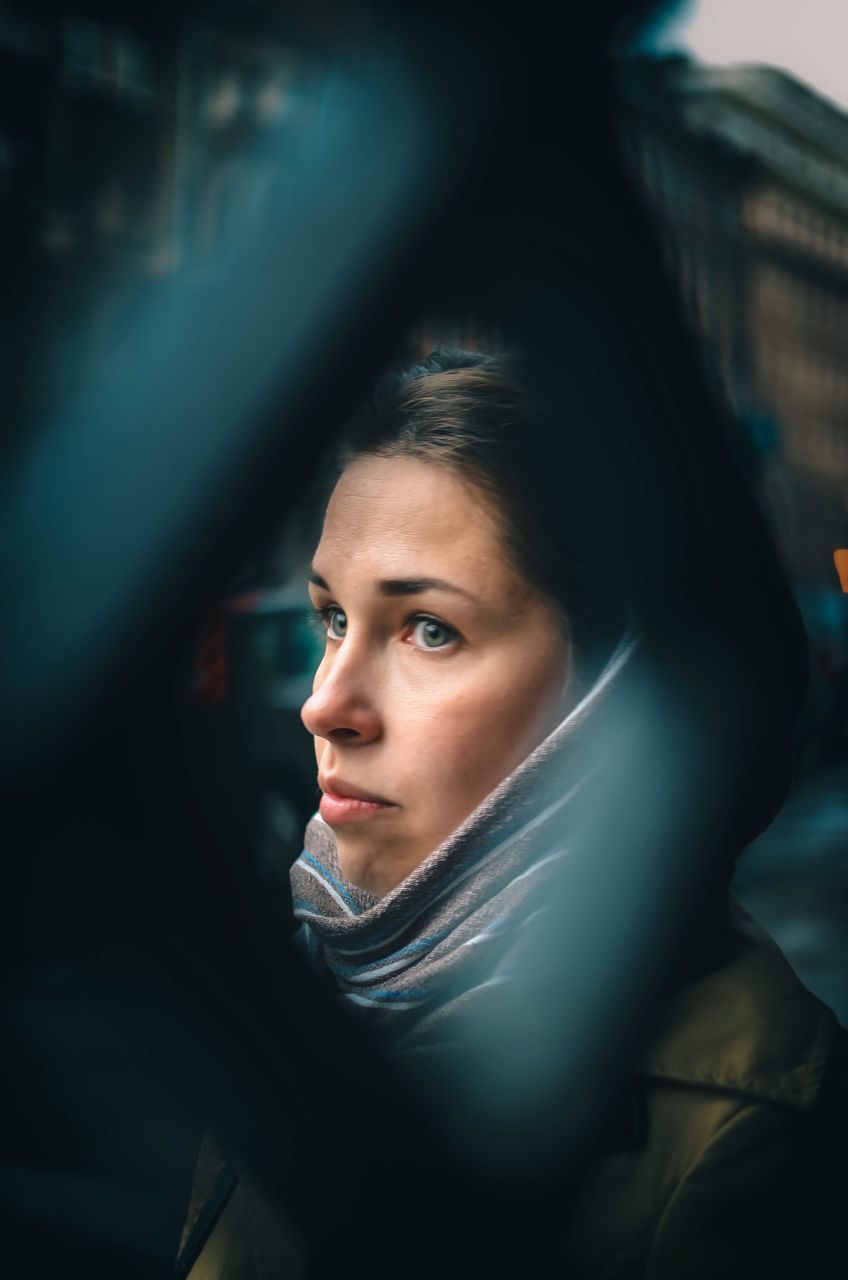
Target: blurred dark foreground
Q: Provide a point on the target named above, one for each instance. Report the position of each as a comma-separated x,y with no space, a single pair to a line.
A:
221,222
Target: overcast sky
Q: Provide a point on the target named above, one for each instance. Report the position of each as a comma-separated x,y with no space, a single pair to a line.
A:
807,37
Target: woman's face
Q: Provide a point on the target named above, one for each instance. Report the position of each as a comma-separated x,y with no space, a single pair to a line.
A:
444,667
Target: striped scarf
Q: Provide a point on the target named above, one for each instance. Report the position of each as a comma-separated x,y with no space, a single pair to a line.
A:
420,960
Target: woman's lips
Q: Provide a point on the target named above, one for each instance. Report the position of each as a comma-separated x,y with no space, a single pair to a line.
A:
342,802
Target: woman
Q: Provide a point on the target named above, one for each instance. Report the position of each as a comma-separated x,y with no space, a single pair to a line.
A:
470,658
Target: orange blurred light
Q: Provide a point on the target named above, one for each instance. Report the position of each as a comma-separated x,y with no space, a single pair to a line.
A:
841,561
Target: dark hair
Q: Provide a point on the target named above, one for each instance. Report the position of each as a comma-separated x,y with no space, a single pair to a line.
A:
471,412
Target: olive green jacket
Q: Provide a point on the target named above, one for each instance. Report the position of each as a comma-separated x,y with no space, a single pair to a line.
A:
743,1096
727,1166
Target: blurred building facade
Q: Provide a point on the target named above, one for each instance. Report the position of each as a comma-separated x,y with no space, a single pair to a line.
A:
747,169
128,137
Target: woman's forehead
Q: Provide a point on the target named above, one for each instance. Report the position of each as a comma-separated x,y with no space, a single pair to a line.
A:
393,507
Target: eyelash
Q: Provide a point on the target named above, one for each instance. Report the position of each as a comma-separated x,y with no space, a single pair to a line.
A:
319,620
322,616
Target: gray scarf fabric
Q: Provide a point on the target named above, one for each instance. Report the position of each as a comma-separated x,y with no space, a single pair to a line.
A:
420,960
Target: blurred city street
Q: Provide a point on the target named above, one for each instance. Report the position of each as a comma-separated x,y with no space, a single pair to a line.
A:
794,880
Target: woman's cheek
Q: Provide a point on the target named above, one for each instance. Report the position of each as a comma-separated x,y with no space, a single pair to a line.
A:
464,746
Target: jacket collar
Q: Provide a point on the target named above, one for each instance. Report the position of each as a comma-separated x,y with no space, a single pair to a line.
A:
748,1025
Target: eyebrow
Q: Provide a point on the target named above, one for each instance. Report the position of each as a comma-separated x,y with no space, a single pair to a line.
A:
404,586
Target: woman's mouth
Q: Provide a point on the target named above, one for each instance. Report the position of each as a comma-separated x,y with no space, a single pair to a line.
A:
343,802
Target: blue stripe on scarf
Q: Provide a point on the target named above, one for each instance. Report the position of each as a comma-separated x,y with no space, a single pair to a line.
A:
303,904
422,945
331,879
384,996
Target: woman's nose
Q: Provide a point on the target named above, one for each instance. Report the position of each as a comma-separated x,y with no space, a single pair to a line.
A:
341,706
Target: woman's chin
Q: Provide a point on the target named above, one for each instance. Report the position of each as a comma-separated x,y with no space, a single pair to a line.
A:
376,871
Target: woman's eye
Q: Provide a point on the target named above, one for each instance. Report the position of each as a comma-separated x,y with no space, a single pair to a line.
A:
336,623
430,634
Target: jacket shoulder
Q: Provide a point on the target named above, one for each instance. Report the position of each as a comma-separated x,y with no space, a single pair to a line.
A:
747,1025
744,1097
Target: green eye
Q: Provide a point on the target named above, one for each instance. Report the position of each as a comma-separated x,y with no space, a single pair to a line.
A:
336,624
430,634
